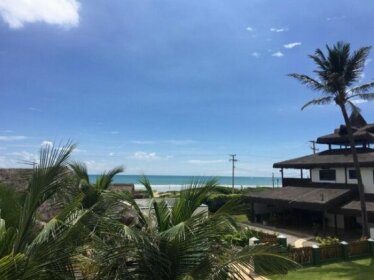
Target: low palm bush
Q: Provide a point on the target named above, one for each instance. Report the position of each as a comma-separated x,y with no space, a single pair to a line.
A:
101,234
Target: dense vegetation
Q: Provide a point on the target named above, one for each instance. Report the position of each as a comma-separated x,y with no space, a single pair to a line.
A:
95,233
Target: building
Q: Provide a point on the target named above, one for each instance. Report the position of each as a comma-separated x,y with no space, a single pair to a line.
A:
325,193
122,187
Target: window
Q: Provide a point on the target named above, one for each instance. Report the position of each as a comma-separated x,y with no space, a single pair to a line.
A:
327,175
352,174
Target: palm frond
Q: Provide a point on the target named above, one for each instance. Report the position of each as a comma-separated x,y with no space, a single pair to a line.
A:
80,170
105,179
191,198
320,59
262,259
147,184
355,65
47,178
12,266
361,88
364,96
319,101
159,206
308,81
122,199
7,238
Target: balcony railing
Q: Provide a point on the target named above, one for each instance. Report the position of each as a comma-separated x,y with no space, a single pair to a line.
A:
298,182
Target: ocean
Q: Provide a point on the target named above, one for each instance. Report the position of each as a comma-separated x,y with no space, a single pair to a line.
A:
171,183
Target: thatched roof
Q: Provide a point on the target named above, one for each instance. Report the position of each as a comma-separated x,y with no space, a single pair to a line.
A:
302,197
330,158
363,133
122,187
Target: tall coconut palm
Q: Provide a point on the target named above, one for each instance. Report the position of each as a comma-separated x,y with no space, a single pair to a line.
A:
337,73
177,241
93,191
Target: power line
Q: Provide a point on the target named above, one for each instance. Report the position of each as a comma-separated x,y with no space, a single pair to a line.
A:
233,160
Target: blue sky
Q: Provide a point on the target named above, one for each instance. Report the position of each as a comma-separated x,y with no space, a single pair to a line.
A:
169,87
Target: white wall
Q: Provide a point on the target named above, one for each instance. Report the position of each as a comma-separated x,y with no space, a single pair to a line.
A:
366,172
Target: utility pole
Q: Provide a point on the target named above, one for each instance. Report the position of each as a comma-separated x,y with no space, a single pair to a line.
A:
233,160
313,147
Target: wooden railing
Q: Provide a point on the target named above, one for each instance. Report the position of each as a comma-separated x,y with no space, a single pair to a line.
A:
331,252
268,238
298,182
302,255
358,248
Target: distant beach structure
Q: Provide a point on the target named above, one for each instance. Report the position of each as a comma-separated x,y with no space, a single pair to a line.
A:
122,187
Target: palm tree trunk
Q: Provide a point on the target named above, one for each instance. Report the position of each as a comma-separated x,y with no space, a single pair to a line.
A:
361,189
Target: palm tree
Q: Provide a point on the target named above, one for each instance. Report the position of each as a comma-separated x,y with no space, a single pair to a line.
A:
30,249
337,71
93,191
176,241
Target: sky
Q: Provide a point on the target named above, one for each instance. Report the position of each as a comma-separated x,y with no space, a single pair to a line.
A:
170,87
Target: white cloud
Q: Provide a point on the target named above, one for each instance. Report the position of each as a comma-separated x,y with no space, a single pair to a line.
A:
359,101
148,156
111,154
16,13
256,54
277,54
292,45
114,132
199,161
11,138
250,29
368,61
46,144
144,156
278,30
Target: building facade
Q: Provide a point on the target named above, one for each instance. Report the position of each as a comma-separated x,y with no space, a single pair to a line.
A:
325,195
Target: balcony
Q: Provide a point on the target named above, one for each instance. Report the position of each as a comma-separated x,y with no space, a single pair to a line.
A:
298,182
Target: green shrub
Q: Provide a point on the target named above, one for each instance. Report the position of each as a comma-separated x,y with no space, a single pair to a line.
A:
225,190
329,240
241,238
216,201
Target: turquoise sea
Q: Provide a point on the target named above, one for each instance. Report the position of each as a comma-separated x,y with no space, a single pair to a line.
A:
167,182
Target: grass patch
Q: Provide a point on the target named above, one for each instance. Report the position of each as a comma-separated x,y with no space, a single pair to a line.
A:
352,270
